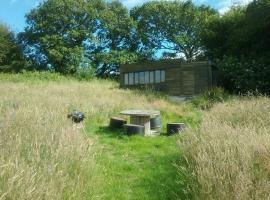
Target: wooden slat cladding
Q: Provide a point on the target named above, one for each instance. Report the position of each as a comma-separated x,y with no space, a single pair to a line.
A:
181,78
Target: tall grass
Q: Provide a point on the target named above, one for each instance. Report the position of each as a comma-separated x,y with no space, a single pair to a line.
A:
228,155
44,156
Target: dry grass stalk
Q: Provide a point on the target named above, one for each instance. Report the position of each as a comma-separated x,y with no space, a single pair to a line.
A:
229,154
42,155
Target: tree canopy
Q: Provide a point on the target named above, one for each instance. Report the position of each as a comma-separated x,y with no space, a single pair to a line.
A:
174,26
56,30
11,57
60,34
239,43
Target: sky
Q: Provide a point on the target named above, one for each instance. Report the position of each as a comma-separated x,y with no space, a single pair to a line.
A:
12,12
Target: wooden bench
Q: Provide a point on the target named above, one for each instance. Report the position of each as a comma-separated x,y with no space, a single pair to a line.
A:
132,129
173,128
117,122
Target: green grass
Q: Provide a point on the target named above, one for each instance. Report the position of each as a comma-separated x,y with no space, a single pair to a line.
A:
137,167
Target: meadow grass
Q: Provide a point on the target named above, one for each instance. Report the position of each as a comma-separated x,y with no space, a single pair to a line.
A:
224,154
44,156
228,156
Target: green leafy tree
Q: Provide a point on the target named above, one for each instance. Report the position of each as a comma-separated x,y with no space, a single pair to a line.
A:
243,31
239,43
62,34
173,26
223,34
56,30
11,58
116,39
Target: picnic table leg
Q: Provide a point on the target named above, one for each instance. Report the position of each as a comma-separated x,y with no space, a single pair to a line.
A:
143,121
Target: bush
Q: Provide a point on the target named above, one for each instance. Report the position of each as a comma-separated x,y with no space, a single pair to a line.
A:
245,74
11,56
209,98
85,73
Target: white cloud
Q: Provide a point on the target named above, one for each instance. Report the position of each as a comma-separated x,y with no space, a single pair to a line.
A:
223,10
226,5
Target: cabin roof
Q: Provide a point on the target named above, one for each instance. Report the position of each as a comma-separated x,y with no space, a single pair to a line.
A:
152,65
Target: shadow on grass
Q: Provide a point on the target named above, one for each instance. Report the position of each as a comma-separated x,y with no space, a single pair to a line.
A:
119,133
109,132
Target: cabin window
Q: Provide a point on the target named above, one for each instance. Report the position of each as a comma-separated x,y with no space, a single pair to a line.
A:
126,79
136,80
162,78
157,76
141,78
151,77
146,77
131,79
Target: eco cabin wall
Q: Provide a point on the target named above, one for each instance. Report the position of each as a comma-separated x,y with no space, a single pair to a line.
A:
185,79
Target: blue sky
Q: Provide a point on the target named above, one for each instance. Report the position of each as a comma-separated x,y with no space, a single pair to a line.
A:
12,12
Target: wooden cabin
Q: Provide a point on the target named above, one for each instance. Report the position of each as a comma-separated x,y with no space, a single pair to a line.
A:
175,77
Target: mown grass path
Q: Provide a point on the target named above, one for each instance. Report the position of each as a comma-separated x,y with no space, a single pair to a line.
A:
137,167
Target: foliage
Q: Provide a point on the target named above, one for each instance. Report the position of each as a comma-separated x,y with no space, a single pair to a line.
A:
116,27
11,58
56,29
174,26
221,32
111,61
85,73
210,97
239,44
243,75
243,31
60,34
116,43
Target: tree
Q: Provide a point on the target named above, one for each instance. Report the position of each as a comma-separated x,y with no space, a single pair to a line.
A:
238,42
62,34
173,26
217,37
243,31
116,40
11,58
56,30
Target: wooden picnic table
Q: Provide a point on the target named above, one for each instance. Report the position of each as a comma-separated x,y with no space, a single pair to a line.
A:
141,117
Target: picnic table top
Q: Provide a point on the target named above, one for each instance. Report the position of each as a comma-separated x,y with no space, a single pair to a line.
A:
141,113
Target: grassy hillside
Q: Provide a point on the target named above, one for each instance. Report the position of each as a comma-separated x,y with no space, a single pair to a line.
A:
44,156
